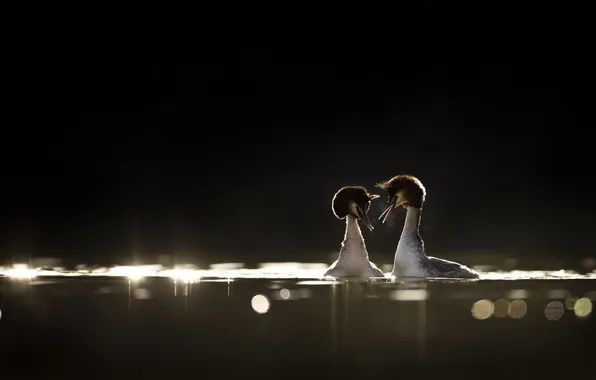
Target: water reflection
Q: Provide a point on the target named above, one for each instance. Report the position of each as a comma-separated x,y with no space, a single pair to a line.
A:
409,295
299,281
142,294
411,323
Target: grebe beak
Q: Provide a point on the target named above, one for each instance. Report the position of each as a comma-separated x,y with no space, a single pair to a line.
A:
362,215
388,209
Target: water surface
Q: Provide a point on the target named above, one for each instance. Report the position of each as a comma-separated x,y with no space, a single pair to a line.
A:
284,320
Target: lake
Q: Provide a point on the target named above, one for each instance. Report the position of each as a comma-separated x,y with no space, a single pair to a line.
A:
283,320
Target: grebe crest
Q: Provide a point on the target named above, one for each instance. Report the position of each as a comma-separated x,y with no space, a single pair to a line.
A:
352,204
410,257
353,200
402,190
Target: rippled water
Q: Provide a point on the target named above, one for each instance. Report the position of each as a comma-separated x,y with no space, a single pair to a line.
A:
228,321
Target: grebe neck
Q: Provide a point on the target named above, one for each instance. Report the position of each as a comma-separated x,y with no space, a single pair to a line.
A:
410,248
353,246
412,223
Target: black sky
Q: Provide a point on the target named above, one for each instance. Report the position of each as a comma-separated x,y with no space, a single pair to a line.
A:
236,136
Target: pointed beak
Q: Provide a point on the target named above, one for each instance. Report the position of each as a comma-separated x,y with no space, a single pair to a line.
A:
364,218
388,209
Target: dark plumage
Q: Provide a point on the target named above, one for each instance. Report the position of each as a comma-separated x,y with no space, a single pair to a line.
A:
436,267
345,195
413,192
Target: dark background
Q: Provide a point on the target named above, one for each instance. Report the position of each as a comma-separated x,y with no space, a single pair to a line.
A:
232,139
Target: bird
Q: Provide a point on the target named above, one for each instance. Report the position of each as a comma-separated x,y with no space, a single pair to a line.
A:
410,256
352,203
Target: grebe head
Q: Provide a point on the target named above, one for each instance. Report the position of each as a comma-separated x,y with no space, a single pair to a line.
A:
353,200
403,190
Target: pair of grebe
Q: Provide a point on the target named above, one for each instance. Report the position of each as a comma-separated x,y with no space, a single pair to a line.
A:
352,203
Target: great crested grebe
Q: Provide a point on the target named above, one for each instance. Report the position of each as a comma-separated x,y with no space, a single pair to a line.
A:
410,257
352,203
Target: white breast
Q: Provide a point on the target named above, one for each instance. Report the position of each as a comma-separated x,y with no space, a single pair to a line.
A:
408,258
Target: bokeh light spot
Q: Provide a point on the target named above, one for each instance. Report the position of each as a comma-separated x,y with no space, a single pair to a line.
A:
260,304
583,307
284,294
554,310
483,309
517,309
570,302
501,308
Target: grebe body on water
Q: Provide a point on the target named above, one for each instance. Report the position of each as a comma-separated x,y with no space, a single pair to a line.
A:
352,203
410,256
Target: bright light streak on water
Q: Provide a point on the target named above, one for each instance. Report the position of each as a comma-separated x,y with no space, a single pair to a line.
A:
536,275
185,275
319,282
20,271
282,270
226,266
136,272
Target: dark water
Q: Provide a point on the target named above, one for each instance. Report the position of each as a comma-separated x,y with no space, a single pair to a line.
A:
112,328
